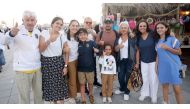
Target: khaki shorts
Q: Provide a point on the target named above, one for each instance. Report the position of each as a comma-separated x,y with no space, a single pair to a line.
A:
83,76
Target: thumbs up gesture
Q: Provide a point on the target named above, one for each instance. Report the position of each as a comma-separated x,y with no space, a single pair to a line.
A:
14,30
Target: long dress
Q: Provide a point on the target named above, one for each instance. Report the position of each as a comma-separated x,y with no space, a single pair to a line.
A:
168,63
54,84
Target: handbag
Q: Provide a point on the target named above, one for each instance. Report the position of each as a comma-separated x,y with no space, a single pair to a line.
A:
2,57
136,80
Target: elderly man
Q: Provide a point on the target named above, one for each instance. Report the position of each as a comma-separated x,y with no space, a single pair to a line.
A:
26,62
92,36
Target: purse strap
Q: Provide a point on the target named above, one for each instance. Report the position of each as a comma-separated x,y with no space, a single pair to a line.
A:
61,44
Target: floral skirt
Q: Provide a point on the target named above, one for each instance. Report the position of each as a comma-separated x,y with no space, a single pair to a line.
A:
54,84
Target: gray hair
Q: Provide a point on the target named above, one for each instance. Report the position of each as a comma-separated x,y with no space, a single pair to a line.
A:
29,14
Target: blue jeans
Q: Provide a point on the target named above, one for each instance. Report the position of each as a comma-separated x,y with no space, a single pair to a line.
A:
124,75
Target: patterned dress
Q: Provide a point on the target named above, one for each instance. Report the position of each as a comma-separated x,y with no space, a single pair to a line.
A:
54,84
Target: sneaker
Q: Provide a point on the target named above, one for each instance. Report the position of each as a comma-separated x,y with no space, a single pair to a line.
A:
118,92
109,100
104,100
154,101
141,98
70,101
164,102
97,84
78,97
126,97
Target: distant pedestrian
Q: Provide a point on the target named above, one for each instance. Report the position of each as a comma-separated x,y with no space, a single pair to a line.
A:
2,48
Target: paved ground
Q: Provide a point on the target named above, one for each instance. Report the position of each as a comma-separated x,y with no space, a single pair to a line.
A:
9,93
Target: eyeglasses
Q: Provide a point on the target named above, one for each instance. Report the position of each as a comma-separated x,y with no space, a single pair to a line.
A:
88,22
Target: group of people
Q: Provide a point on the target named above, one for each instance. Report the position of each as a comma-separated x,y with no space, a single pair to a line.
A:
60,66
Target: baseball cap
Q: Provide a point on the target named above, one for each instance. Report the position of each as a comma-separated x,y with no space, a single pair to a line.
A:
108,20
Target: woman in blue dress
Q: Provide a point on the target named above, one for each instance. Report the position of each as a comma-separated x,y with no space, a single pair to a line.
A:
168,61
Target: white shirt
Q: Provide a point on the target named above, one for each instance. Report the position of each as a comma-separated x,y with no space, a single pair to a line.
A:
124,50
54,48
108,64
73,45
26,49
90,36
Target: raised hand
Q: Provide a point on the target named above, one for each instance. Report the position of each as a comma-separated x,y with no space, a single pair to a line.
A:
14,30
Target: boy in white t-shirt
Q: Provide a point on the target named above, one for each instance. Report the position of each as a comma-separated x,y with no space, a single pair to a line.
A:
108,73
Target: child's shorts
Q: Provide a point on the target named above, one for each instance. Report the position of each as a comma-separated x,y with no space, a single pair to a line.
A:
83,76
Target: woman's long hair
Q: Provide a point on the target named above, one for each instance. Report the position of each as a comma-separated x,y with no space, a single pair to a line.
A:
167,34
68,32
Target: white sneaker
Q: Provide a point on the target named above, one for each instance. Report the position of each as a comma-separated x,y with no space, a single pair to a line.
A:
126,97
118,92
70,101
78,97
104,100
154,101
109,100
141,98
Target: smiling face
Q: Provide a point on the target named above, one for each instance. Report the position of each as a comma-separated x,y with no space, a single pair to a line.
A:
161,29
83,36
57,25
108,49
88,23
108,26
74,27
143,27
29,22
124,28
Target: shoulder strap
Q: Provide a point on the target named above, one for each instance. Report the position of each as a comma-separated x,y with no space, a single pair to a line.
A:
61,43
174,43
101,33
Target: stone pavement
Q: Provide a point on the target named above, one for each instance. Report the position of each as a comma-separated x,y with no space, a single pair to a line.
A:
9,93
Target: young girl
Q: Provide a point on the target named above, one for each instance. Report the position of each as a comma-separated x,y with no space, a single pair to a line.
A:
168,49
108,71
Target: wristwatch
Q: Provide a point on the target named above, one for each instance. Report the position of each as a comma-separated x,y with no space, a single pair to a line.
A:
65,65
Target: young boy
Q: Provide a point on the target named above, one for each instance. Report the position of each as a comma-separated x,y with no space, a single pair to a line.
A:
86,51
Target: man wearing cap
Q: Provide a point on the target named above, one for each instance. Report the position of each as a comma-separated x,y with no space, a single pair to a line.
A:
107,36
